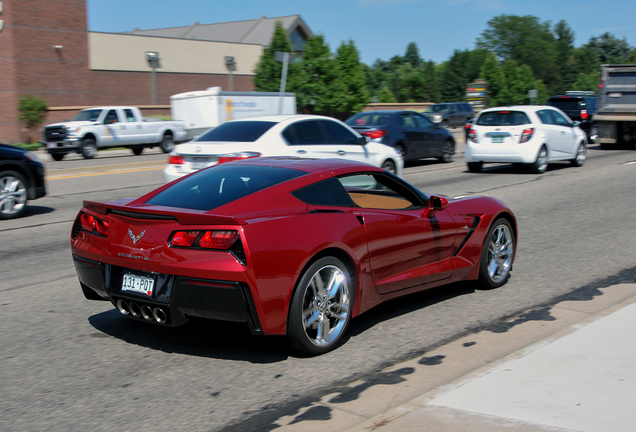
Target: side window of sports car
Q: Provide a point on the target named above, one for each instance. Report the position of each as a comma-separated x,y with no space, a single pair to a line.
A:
380,191
325,193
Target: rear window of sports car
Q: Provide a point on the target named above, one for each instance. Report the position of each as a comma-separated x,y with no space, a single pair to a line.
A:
237,131
503,118
211,188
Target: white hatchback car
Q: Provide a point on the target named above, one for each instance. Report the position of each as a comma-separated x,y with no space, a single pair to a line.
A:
527,134
306,136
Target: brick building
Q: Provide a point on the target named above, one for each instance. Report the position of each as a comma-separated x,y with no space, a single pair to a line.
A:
47,51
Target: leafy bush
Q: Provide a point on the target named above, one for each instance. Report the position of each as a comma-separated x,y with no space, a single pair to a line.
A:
32,111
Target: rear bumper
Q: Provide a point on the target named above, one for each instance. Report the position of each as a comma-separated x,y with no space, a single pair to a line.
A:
509,153
177,297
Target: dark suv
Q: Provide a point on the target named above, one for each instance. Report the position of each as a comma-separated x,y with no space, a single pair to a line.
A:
450,113
21,179
580,106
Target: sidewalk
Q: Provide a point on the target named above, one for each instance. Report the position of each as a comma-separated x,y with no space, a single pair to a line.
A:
568,367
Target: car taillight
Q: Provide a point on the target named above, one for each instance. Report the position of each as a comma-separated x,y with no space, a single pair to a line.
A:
214,239
374,134
91,224
472,135
237,156
526,135
176,160
184,238
218,239
584,115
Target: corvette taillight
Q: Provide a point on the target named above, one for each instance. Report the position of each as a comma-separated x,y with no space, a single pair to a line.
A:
375,134
237,156
92,224
213,239
526,135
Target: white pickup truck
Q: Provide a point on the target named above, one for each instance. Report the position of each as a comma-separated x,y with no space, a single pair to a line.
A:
113,126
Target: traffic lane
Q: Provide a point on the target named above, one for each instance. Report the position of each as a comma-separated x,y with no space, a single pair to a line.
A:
88,352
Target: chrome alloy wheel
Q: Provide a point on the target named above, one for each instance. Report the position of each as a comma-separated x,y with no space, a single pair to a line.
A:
580,155
500,251
542,160
13,195
325,306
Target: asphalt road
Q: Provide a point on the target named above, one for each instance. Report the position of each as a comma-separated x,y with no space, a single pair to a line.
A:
73,364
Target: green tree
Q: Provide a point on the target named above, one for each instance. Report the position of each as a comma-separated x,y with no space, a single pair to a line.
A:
453,78
525,40
269,71
431,85
565,62
492,72
311,76
610,49
351,80
32,112
385,96
412,55
587,82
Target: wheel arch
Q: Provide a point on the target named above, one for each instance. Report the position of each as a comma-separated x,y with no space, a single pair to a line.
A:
24,172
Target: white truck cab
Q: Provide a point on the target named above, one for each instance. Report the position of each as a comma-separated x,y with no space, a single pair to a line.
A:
111,126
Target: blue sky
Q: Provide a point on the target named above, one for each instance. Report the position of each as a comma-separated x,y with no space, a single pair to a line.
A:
379,28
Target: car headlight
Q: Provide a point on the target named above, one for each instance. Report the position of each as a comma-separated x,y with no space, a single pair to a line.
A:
33,157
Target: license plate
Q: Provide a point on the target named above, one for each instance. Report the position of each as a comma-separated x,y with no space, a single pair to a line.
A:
497,139
199,163
51,144
138,284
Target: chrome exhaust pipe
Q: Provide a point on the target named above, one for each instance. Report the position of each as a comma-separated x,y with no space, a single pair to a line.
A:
123,307
135,310
146,312
160,315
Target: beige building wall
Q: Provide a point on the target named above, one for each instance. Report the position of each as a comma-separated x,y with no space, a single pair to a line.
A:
118,52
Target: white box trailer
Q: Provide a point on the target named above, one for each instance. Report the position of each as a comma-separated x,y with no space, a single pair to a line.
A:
205,109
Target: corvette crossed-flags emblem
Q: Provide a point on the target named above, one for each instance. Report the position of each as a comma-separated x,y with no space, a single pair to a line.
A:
132,236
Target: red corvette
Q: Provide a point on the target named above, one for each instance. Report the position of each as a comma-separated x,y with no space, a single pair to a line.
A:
289,246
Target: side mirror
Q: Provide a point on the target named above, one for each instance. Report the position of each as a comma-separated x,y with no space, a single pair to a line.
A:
576,123
435,204
363,140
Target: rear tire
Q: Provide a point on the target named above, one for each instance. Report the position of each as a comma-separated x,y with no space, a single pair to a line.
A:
137,150
447,152
541,163
321,307
89,148
497,255
475,167
13,195
401,150
57,156
167,143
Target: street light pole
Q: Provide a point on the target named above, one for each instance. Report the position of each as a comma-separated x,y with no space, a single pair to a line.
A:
153,61
230,64
283,57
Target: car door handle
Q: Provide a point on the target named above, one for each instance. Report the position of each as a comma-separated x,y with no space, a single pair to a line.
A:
341,152
301,151
562,133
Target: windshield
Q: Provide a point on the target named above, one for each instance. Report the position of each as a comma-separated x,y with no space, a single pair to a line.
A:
237,131
437,108
211,188
503,118
368,119
87,115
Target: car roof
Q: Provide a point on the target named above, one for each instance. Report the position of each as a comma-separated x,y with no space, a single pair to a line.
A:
278,118
524,108
308,165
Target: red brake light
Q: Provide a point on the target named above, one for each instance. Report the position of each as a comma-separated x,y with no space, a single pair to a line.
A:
184,238
468,126
526,135
176,160
218,239
503,112
237,156
379,133
584,115
472,135
88,222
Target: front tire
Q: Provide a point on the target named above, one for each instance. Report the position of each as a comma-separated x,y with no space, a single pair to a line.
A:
581,154
57,156
13,195
321,307
541,163
447,152
389,165
89,148
137,150
497,255
167,143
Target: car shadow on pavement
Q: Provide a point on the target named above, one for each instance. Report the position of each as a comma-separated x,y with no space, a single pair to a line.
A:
33,210
520,168
201,338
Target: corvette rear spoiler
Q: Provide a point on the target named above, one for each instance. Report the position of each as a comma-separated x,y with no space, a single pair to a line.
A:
193,217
